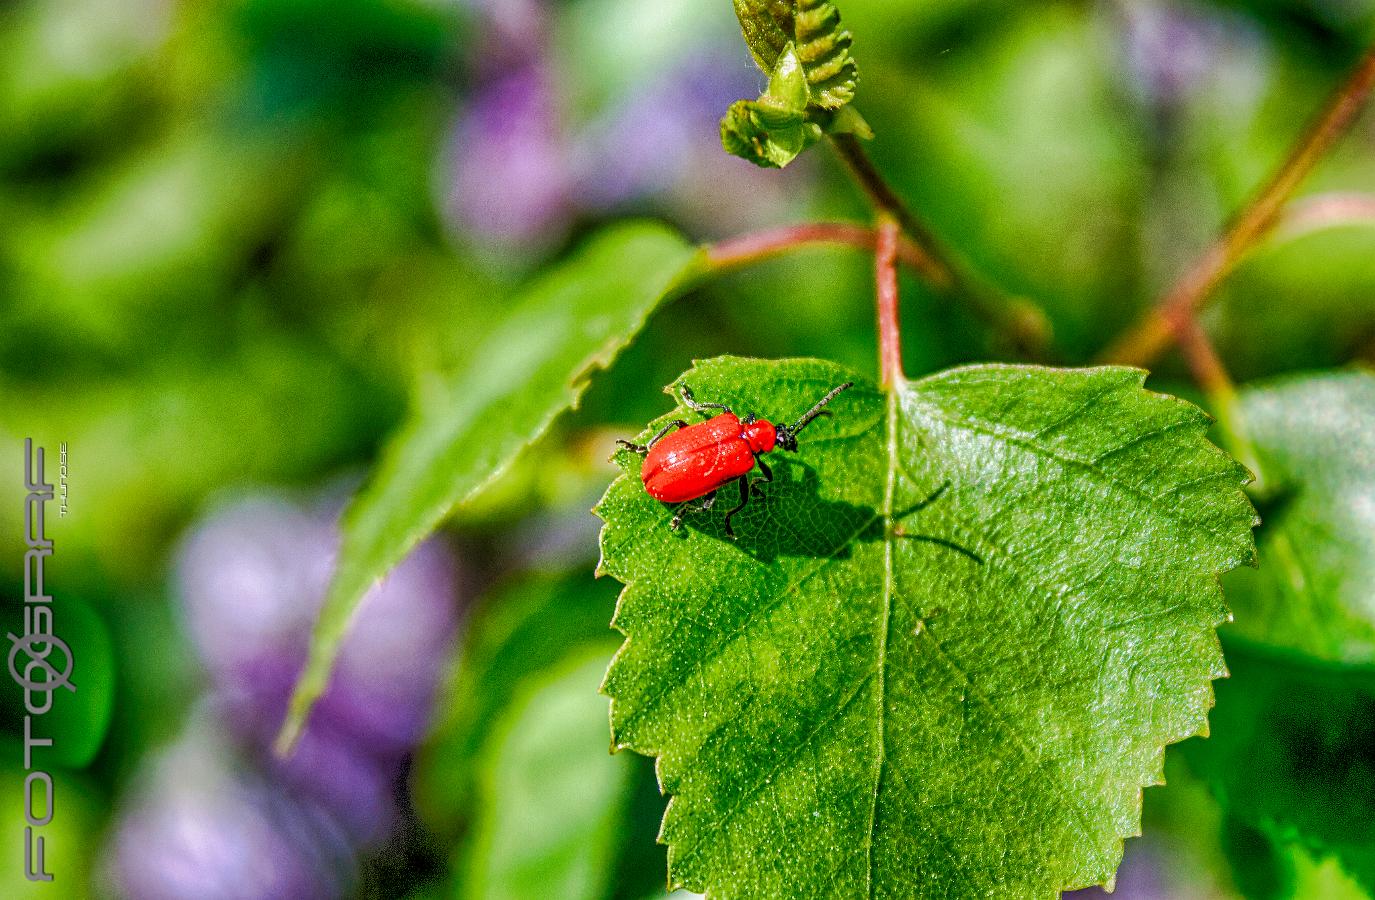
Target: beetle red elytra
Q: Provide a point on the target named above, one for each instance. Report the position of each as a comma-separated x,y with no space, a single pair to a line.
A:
685,462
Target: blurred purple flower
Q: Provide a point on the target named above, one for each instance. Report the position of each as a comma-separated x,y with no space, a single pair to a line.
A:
508,169
199,824
1174,52
516,31
643,145
517,171
218,815
251,578
1169,50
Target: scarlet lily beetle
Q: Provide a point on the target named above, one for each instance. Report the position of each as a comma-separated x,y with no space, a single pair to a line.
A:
697,460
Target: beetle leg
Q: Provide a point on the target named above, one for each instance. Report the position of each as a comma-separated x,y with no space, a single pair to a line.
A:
676,423
688,507
768,476
702,408
744,501
642,449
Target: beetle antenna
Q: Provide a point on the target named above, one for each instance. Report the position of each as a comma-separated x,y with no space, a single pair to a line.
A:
815,411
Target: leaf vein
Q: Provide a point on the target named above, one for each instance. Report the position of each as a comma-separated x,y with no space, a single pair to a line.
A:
1168,512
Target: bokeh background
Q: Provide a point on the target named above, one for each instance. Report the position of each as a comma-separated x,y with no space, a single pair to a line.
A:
235,237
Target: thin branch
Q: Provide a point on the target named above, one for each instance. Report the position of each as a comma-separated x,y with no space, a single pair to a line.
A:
886,279
747,249
885,199
1212,377
1144,342
1203,360
1023,324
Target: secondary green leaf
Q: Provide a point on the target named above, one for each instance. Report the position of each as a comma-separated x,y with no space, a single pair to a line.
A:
1293,753
462,435
1315,438
950,644
552,796
1292,744
515,635
521,639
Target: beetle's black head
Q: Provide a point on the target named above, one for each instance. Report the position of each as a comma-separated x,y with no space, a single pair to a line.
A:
786,436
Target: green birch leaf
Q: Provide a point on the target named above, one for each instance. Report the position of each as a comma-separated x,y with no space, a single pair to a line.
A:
462,435
950,644
1315,439
813,28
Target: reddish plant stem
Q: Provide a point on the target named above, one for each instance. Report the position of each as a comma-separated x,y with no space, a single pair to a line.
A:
1145,341
756,246
886,278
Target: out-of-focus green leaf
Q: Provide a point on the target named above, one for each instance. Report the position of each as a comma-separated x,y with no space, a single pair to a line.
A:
69,71
518,633
463,434
139,246
1261,866
1292,749
1292,753
551,796
1315,439
517,639
78,811
950,644
1020,156
147,447
1325,877
79,719
1298,304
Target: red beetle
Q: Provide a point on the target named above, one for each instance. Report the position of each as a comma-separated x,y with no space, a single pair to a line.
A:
696,460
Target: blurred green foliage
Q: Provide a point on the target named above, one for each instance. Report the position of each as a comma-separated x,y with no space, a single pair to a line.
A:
224,260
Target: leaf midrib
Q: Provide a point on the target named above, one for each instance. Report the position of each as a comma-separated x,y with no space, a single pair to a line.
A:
880,754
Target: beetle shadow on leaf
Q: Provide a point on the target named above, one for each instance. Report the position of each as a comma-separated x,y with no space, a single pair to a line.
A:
789,517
